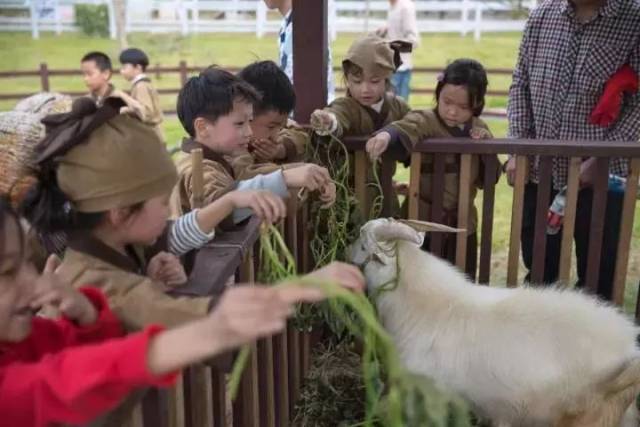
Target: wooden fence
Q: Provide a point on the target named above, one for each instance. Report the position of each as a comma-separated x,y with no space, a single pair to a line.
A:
183,71
272,383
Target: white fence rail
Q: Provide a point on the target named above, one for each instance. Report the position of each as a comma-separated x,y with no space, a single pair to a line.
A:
196,16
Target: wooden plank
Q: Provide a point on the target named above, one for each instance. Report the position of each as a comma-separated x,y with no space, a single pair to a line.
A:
155,408
44,77
626,231
305,263
464,205
176,403
569,220
596,228
522,166
414,186
542,210
266,385
437,199
197,189
361,170
386,182
281,373
219,398
488,203
310,50
295,380
198,406
305,354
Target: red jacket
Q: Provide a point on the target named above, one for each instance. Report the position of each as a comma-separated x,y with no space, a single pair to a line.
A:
63,373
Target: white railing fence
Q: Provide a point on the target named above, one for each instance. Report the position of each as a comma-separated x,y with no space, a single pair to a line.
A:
252,16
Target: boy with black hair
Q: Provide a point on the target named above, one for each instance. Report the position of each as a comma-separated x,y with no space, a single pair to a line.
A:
134,64
96,72
275,137
216,109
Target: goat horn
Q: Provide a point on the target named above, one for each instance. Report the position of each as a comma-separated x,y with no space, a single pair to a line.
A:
425,226
396,231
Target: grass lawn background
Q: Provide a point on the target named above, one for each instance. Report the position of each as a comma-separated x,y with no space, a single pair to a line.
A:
20,52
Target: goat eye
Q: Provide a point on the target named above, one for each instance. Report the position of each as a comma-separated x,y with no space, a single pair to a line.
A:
363,247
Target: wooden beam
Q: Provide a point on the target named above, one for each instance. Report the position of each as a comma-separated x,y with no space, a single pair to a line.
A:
310,55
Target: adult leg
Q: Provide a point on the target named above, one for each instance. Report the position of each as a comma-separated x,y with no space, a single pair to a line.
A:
527,236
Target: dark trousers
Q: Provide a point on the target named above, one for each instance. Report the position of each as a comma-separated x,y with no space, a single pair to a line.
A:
613,216
449,251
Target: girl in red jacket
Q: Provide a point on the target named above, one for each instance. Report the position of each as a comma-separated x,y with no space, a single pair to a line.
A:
73,369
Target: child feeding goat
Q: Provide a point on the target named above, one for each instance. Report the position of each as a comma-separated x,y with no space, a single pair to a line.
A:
521,357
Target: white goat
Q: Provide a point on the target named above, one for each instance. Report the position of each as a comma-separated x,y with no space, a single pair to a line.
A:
522,357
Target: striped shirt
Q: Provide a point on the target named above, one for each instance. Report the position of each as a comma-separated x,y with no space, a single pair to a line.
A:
186,235
562,68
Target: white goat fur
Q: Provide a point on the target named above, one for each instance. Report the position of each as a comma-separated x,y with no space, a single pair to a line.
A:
523,356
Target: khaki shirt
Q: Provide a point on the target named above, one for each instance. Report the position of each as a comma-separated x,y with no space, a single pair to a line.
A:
150,111
135,299
419,125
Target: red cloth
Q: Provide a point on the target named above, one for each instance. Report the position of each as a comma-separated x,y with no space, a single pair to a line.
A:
63,373
607,110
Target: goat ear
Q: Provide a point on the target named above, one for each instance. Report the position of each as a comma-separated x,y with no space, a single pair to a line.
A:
425,226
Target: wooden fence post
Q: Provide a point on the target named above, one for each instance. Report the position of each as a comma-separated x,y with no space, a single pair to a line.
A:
183,73
44,77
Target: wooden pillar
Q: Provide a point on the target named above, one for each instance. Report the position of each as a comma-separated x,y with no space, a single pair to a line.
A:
310,54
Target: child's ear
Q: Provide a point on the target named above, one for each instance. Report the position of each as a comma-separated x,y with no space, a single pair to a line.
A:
118,216
200,125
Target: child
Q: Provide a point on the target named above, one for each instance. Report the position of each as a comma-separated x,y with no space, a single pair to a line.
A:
134,64
275,137
96,71
460,96
74,369
368,105
216,109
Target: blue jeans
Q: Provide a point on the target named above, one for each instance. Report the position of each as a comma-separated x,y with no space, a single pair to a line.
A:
400,81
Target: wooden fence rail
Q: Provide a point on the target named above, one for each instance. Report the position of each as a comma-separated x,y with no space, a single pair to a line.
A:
523,150
184,71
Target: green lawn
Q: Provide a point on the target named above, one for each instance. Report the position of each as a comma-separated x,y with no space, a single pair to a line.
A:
20,52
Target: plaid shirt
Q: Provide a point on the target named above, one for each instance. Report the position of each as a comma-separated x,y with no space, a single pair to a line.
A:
562,68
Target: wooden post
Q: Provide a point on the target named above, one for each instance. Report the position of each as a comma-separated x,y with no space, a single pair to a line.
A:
516,220
183,73
414,185
540,229
387,170
310,55
569,221
360,176
293,342
464,205
266,385
437,201
488,205
626,230
596,228
44,77
197,173
281,373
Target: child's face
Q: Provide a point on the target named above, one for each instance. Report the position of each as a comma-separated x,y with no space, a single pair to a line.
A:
268,124
144,226
130,71
17,281
453,105
229,134
95,79
366,88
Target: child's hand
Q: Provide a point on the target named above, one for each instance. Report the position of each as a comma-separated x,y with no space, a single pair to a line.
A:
480,133
378,145
346,275
246,313
264,204
166,268
328,195
310,176
510,170
587,172
323,122
50,290
266,149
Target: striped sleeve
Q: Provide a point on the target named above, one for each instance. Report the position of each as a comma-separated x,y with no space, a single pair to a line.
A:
186,234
